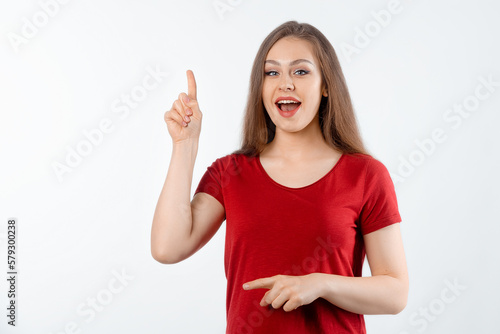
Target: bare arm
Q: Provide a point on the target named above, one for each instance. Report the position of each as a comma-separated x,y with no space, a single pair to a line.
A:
181,227
385,292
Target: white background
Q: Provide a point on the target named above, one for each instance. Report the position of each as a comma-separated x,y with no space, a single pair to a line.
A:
78,231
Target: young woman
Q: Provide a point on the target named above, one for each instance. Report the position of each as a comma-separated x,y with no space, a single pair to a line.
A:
302,199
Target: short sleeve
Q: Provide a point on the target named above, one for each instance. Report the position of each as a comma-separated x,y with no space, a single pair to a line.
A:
210,182
379,207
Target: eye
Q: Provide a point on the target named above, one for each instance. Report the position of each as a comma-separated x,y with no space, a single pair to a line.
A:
303,72
271,73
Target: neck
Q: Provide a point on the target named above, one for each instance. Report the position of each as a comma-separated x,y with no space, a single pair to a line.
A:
298,146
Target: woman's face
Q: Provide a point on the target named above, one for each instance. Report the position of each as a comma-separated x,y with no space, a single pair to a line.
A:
292,73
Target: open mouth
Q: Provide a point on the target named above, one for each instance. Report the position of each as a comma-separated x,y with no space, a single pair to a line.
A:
287,105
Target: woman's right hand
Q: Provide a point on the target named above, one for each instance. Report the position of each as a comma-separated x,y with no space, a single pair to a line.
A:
184,119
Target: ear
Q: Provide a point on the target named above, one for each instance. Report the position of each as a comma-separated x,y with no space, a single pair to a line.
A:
324,91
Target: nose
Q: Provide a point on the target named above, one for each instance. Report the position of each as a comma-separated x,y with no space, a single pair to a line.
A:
286,83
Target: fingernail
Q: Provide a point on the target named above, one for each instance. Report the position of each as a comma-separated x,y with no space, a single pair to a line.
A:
189,112
246,286
186,118
186,99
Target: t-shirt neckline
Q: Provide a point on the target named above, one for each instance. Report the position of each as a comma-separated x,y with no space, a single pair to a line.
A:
303,187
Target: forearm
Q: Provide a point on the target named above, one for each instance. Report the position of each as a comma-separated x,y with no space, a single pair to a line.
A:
381,294
172,219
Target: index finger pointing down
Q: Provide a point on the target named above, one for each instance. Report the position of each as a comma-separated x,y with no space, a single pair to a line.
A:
261,283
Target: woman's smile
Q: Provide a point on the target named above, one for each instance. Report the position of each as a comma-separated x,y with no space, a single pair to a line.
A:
287,105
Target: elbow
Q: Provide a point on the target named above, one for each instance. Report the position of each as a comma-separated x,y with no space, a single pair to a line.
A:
398,306
164,251
397,288
400,301
165,257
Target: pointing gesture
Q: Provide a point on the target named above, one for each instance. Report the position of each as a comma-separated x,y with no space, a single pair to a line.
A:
191,85
184,119
288,292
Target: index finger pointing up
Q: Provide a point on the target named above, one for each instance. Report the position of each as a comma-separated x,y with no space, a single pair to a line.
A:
191,84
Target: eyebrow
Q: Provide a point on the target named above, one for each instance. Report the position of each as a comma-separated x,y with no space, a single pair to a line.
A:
293,62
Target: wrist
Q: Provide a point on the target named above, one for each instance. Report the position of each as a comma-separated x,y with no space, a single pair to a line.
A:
185,144
324,284
186,147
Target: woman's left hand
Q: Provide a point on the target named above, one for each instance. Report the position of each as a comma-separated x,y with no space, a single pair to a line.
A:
292,291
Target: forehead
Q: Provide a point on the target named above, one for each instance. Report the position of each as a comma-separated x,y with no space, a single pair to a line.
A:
291,48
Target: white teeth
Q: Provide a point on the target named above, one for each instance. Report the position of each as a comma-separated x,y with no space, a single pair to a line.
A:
287,101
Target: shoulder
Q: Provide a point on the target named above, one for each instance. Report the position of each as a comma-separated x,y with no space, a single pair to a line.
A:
233,157
367,168
232,161
365,163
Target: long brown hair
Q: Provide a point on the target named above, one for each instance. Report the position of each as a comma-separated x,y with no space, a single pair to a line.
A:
336,115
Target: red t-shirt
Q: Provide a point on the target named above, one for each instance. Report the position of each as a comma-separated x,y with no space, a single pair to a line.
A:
272,229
